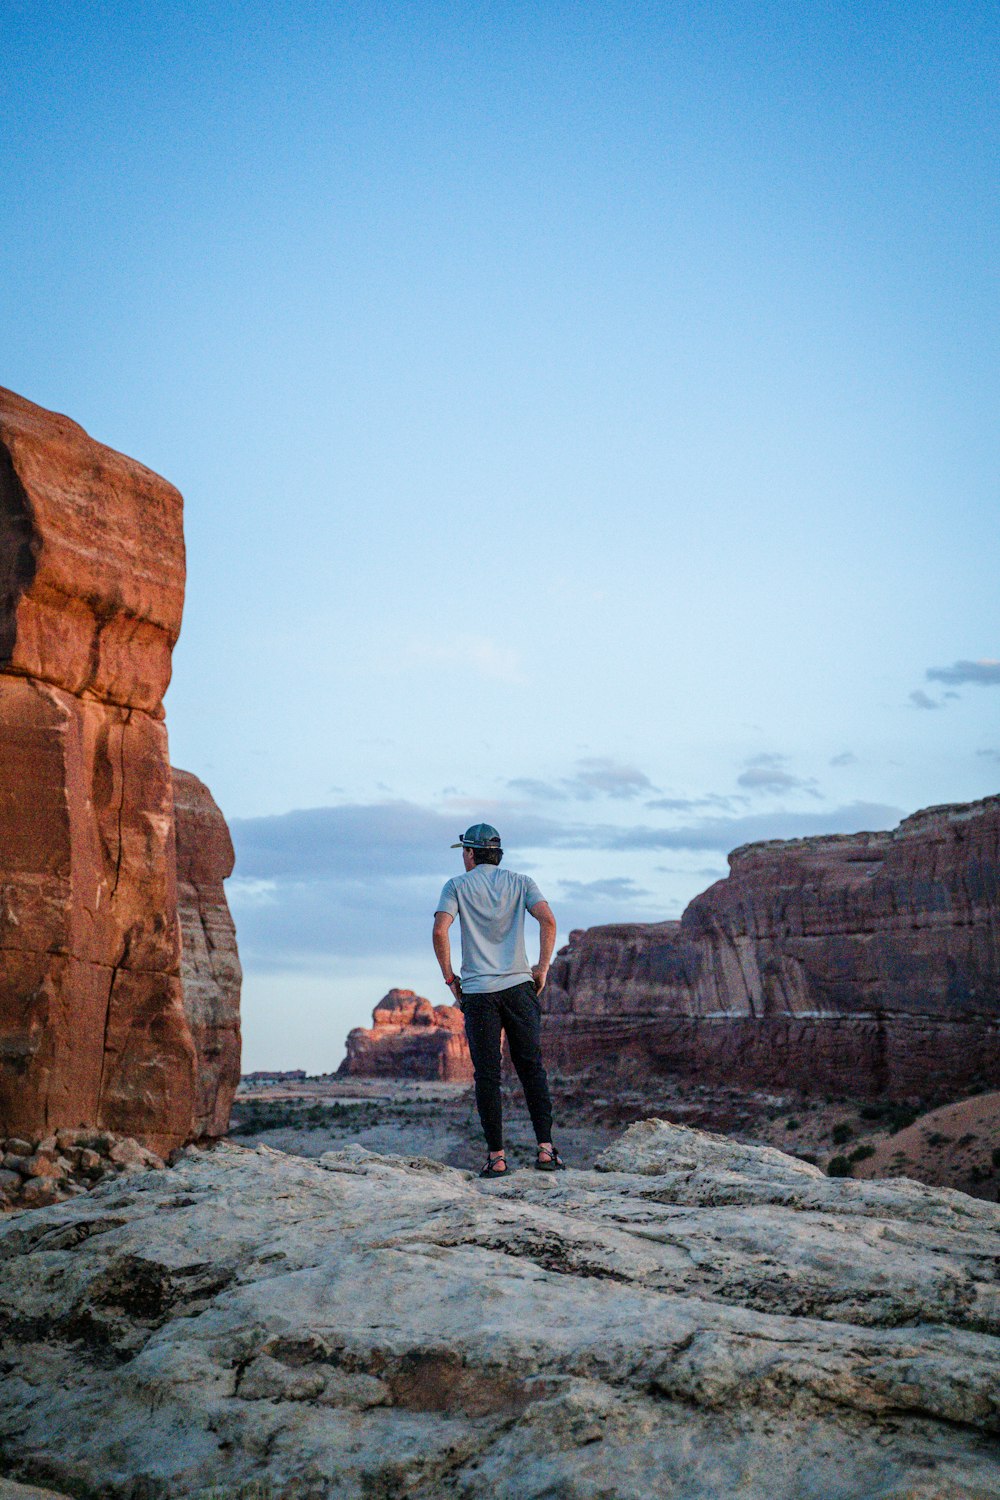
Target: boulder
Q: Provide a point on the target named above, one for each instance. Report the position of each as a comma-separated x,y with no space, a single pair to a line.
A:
696,1319
864,964
410,1038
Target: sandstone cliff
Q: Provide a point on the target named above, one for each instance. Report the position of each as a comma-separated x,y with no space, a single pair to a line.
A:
93,1028
865,963
210,966
410,1038
696,1319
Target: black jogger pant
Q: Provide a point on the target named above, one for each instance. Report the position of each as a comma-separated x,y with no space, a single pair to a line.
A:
517,1012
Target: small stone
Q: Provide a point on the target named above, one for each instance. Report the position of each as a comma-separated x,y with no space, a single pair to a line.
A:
90,1162
67,1139
39,1192
14,1146
47,1143
12,1163
10,1182
45,1164
128,1153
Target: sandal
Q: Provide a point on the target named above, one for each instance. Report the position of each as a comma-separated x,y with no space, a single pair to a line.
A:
549,1160
496,1166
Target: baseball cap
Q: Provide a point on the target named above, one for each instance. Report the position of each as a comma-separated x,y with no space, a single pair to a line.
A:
479,836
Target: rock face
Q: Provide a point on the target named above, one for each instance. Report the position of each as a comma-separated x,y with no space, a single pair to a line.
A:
93,1029
410,1038
697,1319
210,967
866,963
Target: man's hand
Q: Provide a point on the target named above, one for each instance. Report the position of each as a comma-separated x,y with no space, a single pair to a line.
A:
540,974
455,985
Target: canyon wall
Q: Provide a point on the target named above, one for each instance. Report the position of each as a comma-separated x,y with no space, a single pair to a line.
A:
410,1038
93,1028
865,964
210,965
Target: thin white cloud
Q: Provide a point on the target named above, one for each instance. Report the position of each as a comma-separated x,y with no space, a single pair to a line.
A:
766,773
595,776
478,654
920,699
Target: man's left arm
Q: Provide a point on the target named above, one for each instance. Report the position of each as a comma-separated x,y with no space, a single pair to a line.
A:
544,916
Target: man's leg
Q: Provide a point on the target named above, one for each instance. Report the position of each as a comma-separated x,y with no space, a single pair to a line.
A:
522,1021
482,1028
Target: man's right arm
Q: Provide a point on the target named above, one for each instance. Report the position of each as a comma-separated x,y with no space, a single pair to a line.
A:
543,915
442,951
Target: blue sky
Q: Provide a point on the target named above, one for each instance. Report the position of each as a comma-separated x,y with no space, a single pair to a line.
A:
586,417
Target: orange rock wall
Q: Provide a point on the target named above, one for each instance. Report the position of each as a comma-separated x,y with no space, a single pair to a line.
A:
93,1029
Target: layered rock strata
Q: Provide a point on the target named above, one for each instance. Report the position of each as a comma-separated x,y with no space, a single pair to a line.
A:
697,1318
211,975
93,1029
410,1038
865,964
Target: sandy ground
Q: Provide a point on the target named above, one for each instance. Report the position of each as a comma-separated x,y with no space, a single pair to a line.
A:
954,1146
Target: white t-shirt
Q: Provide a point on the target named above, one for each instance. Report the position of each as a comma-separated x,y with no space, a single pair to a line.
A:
490,903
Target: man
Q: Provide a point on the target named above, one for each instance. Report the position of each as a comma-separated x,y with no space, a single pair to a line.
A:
498,991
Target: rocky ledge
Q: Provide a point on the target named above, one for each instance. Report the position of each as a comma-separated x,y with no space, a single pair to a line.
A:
694,1318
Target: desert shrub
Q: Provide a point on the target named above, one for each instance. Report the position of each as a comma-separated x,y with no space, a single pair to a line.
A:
937,1139
841,1133
807,1156
861,1153
995,1156
791,1124
838,1166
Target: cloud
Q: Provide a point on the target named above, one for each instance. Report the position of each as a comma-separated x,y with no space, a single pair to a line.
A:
984,673
766,773
601,776
479,654
726,834
990,755
919,699
543,791
691,804
323,884
845,758
595,776
616,888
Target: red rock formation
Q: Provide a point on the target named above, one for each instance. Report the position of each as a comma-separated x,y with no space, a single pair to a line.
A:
410,1038
865,963
210,967
92,1023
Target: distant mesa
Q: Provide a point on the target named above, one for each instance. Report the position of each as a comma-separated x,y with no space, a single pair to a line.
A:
864,964
119,978
410,1038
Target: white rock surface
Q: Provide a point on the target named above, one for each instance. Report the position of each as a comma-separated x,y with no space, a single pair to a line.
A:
697,1319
